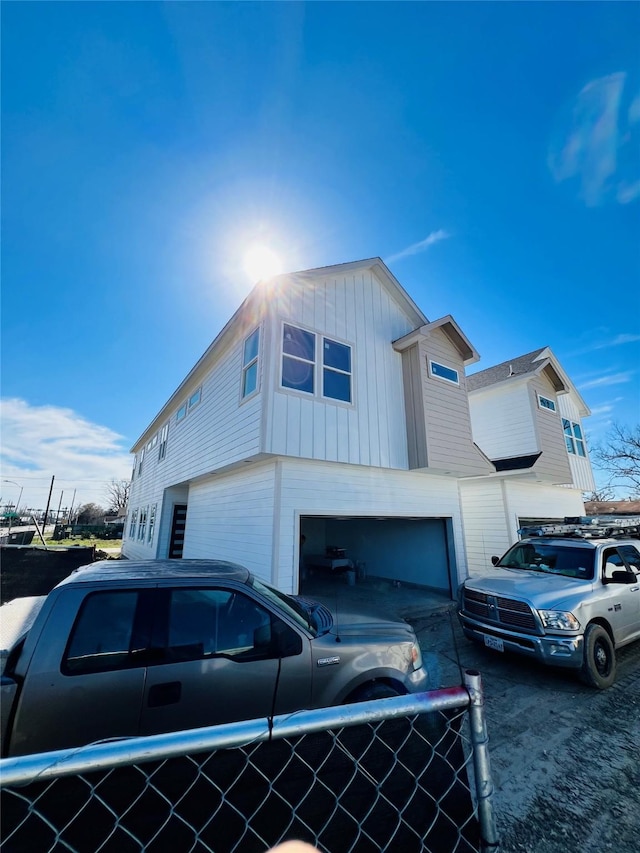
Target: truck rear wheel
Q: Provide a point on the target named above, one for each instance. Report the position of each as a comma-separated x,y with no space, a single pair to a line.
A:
599,658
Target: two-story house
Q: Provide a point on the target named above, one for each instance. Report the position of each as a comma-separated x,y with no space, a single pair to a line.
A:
526,415
328,410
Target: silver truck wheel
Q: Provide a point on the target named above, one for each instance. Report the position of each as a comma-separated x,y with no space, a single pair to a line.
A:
599,658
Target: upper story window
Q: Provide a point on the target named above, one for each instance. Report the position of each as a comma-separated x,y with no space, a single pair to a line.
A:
250,353
546,403
573,437
140,460
181,414
336,370
195,398
441,371
299,358
163,436
133,523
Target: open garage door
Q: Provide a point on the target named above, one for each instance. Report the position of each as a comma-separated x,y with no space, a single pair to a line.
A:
409,550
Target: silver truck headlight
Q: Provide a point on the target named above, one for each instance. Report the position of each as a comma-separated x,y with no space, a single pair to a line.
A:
559,620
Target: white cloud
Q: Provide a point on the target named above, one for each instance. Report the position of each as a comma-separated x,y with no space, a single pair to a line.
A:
39,442
618,340
416,248
610,379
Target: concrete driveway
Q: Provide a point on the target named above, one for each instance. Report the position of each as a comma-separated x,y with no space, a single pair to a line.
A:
565,758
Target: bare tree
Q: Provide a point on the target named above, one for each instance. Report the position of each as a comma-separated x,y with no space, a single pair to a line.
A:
601,495
619,456
117,493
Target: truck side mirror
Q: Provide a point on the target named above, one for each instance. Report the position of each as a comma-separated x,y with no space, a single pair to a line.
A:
495,561
620,576
286,641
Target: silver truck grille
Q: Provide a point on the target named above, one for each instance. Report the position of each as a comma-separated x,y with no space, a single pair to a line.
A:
499,611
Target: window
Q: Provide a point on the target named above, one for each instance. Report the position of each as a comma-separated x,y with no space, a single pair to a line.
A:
132,526
250,364
546,403
206,622
194,399
299,364
140,460
441,371
142,524
336,370
298,359
573,437
631,556
162,449
102,636
152,521
181,414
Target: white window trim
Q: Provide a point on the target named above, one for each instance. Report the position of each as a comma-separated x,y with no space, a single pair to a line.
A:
318,366
433,375
191,403
542,407
256,361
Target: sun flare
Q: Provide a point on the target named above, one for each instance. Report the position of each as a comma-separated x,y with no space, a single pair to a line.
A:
261,262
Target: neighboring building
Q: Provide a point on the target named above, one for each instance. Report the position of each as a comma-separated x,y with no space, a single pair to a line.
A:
329,407
617,508
527,417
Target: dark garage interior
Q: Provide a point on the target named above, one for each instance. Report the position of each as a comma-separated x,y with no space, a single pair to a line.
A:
416,551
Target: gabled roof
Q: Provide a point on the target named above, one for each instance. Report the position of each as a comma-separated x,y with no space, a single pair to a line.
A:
523,365
531,364
452,330
248,315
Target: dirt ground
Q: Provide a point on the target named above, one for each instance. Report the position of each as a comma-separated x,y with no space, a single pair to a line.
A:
565,759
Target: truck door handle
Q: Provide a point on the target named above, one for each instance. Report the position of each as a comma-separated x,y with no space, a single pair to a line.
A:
164,694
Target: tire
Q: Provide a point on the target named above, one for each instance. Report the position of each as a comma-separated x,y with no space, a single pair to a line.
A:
599,658
376,690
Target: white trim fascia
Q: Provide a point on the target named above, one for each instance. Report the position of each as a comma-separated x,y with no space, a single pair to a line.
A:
469,354
547,353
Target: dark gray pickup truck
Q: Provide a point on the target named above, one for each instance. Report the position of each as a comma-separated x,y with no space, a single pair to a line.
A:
122,648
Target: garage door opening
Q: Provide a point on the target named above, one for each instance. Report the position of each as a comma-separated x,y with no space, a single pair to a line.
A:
411,551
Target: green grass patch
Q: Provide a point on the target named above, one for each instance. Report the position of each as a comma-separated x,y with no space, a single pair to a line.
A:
101,544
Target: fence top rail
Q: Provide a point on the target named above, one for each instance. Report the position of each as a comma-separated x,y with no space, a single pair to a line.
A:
105,755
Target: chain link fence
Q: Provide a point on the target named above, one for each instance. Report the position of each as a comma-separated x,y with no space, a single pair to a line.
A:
400,774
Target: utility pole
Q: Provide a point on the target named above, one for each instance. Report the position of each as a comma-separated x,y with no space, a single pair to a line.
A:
46,512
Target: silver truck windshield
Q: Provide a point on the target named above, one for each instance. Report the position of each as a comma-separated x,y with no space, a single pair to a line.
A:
553,559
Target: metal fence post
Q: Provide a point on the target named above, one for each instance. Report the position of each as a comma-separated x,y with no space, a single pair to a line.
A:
481,764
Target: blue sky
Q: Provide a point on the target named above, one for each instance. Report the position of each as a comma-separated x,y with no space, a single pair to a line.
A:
488,152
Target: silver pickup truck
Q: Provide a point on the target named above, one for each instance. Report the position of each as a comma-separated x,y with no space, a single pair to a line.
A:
124,648
568,597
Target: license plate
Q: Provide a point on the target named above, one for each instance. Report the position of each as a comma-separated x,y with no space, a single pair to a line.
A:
494,643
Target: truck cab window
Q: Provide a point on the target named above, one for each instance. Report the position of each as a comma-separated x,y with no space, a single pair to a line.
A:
101,638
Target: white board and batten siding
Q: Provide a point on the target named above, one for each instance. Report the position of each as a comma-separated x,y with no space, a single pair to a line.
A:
308,489
501,420
492,509
353,308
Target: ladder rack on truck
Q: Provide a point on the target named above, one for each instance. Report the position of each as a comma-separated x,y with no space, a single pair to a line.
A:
588,527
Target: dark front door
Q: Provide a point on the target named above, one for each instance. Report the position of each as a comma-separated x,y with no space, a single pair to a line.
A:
176,543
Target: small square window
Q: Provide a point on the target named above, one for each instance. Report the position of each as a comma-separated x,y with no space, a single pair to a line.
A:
181,414
194,399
